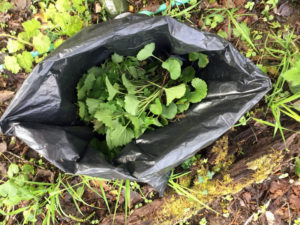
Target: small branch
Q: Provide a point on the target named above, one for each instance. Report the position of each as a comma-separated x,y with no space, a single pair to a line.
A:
16,38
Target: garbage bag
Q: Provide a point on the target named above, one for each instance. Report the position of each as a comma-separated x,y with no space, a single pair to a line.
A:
44,114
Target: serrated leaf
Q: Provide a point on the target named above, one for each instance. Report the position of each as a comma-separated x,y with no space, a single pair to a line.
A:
173,66
169,112
12,169
118,135
105,112
32,27
82,110
92,105
11,64
131,104
14,46
105,116
174,92
146,52
25,60
41,43
188,74
129,86
117,58
156,108
137,124
112,91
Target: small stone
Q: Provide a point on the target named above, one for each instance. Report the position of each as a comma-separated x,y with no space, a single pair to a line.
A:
115,7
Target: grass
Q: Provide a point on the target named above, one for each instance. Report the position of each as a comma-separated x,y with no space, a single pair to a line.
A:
43,200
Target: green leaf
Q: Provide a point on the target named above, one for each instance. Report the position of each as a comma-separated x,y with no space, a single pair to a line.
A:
117,58
129,86
156,108
131,104
11,64
25,60
14,46
112,91
57,43
169,112
197,96
146,52
27,169
92,105
202,60
118,135
24,36
41,43
32,27
82,110
175,92
12,169
188,74
5,6
137,123
292,76
152,121
193,56
63,5
104,116
198,83
242,31
182,105
200,92
173,66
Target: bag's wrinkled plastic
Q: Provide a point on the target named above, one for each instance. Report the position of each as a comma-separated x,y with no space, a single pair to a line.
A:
44,113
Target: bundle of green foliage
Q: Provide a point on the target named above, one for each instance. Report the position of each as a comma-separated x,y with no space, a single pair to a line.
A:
125,96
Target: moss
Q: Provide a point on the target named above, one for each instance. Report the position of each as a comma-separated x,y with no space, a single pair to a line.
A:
220,149
186,180
177,207
264,165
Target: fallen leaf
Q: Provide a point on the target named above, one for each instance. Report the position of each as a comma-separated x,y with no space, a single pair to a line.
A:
278,188
295,202
3,147
5,95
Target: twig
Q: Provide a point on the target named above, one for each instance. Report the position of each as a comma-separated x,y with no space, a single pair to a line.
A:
16,38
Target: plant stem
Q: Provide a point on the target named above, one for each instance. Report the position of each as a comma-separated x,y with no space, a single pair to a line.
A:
157,58
16,38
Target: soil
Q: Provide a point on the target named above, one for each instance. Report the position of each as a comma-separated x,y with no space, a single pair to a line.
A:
280,192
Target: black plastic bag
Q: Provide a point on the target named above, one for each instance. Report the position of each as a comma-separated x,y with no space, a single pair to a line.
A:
43,113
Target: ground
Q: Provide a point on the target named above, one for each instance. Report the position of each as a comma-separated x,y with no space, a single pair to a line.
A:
248,176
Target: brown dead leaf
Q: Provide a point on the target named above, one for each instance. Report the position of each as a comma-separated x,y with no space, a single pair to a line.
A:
296,189
3,147
5,95
228,4
247,197
278,188
295,202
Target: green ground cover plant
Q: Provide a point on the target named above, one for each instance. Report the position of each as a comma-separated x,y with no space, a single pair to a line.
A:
125,96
